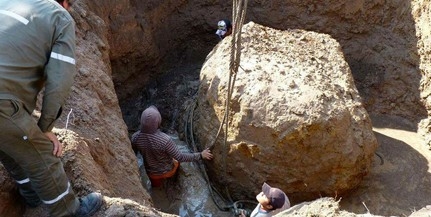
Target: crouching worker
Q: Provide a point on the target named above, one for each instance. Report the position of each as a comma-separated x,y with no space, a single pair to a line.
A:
271,202
160,153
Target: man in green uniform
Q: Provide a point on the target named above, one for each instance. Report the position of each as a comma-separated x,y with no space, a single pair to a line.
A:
37,49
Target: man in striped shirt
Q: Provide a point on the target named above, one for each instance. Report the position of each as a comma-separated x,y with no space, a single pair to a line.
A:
160,153
37,49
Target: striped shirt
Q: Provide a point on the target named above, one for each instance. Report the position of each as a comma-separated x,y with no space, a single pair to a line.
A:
159,150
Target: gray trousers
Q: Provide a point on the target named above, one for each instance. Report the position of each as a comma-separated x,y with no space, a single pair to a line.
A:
27,155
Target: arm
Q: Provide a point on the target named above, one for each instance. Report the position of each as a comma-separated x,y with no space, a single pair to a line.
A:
174,152
59,73
133,141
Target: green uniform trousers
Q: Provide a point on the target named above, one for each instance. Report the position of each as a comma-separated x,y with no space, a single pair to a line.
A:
27,155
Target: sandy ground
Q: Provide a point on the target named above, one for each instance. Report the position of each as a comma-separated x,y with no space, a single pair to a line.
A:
400,180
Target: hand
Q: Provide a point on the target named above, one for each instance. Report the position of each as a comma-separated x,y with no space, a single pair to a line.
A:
206,154
58,147
242,213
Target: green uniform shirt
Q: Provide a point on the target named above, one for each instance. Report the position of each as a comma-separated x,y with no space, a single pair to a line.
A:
37,48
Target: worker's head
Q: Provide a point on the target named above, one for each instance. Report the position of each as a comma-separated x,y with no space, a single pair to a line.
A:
271,198
150,120
224,28
65,3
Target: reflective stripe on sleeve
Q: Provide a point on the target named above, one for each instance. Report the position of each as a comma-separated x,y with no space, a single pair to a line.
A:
15,16
59,197
23,181
63,58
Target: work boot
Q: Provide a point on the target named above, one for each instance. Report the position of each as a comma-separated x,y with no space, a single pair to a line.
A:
89,205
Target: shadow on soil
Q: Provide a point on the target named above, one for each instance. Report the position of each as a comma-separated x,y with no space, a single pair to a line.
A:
399,180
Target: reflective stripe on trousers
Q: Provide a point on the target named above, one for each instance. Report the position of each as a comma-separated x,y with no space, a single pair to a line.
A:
31,151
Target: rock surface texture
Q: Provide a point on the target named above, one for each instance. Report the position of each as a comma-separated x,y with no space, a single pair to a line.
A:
297,121
123,45
421,10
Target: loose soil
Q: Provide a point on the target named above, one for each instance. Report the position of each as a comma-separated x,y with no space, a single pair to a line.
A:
399,181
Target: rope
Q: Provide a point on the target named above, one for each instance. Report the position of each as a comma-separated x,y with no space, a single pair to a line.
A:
382,161
226,205
238,14
67,119
192,145
238,10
